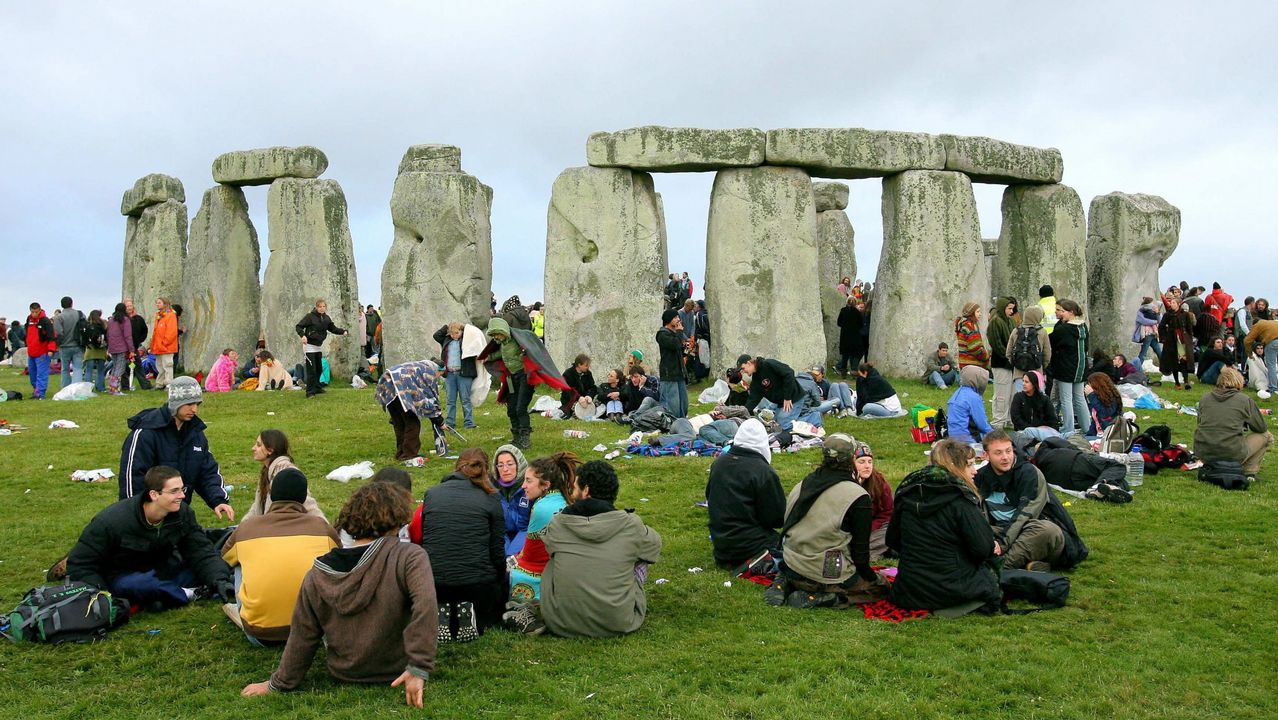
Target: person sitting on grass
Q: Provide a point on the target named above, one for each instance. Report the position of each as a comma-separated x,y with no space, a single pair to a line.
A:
271,373
1033,413
1230,426
746,502
836,397
547,482
640,388
610,396
271,450
939,368
222,375
774,381
150,549
870,478
942,537
1104,403
270,554
580,395
1030,523
826,547
372,605
463,531
599,558
875,396
965,411
508,477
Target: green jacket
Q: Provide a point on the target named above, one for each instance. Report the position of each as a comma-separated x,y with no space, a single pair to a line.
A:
1224,417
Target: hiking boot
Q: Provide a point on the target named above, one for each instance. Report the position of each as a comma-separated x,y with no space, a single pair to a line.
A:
1039,566
867,591
806,600
445,634
776,593
233,612
57,570
523,439
524,619
467,623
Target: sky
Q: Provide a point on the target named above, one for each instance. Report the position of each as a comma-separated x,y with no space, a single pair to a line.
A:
1174,99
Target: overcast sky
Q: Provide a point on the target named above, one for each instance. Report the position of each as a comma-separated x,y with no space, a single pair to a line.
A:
1174,100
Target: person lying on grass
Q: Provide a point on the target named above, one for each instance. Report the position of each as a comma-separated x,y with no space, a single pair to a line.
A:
372,605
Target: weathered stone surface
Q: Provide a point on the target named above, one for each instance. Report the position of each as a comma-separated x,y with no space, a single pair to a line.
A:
669,149
262,166
932,263
312,258
1129,237
440,266
605,265
151,190
987,160
154,256
221,294
836,259
1042,242
854,152
830,196
761,268
431,158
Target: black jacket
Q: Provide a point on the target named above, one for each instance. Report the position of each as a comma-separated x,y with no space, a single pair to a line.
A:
1070,348
773,380
1066,466
670,368
1024,489
871,389
316,327
747,505
601,396
1033,411
119,540
850,321
582,384
944,541
137,324
632,397
463,532
468,369
155,440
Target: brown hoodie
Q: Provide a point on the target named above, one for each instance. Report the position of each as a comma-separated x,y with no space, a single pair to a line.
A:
374,607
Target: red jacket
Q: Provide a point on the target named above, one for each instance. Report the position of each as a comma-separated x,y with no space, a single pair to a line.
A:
1217,303
36,346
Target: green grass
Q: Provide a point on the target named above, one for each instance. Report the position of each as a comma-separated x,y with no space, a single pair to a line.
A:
1172,616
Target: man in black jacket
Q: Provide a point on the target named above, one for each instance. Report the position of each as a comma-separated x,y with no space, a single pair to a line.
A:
313,330
150,549
775,381
638,387
747,503
674,386
1031,525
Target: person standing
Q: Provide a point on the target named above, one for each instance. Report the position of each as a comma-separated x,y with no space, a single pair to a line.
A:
120,348
66,331
850,349
459,373
674,386
1047,301
313,329
1070,345
95,351
40,347
17,338
971,346
140,330
164,342
1176,331
1002,324
409,392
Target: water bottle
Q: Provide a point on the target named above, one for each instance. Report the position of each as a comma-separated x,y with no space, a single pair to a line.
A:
576,434
1135,467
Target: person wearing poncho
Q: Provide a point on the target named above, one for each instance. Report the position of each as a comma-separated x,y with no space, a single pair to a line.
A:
410,393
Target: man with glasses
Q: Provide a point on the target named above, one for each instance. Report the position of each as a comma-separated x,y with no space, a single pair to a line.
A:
173,435
149,548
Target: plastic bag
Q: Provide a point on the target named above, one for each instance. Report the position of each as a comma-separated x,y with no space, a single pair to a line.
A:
359,471
715,394
62,425
75,391
544,403
358,383
92,476
1148,402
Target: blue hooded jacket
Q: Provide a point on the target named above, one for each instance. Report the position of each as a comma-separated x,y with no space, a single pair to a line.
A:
154,439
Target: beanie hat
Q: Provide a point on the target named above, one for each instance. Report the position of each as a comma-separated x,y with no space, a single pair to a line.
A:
668,315
637,354
861,450
1046,291
289,486
184,390
839,447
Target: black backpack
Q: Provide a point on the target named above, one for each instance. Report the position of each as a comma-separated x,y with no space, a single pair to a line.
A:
1154,440
1228,474
1027,354
1040,588
73,612
92,335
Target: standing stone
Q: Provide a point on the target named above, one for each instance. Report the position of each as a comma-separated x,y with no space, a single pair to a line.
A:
261,167
605,265
1042,242
836,256
155,256
669,149
854,152
222,292
1129,237
761,268
312,258
440,266
933,262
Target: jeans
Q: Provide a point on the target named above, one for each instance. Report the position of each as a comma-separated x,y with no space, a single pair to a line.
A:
1002,397
674,395
1210,375
518,395
1149,341
457,388
96,373
38,370
798,409
72,365
1073,404
942,380
876,410
1271,363
1040,433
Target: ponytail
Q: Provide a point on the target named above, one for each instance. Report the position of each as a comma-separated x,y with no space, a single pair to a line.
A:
473,464
559,470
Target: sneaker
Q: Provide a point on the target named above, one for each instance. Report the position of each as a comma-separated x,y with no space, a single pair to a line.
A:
1263,394
57,570
233,612
524,619
445,634
776,593
1039,566
806,600
467,623
942,386
761,564
1112,493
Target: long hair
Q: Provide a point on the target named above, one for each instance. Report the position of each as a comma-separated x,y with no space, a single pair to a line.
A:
969,310
473,464
120,313
560,470
877,486
953,456
1105,389
276,443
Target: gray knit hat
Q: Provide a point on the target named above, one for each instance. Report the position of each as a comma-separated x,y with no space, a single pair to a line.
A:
184,390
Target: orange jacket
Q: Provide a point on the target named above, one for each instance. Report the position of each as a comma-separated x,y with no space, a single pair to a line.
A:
164,338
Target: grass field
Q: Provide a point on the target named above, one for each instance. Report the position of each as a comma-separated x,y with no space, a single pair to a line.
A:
1172,616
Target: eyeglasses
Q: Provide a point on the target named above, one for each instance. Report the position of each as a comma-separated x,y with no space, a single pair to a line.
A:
507,464
175,491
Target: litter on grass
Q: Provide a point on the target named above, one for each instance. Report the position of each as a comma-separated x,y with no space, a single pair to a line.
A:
661,581
695,570
92,476
62,425
359,471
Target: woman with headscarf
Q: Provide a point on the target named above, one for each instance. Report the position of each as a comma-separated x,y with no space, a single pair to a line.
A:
1176,332
971,346
1003,322
871,478
508,477
965,411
